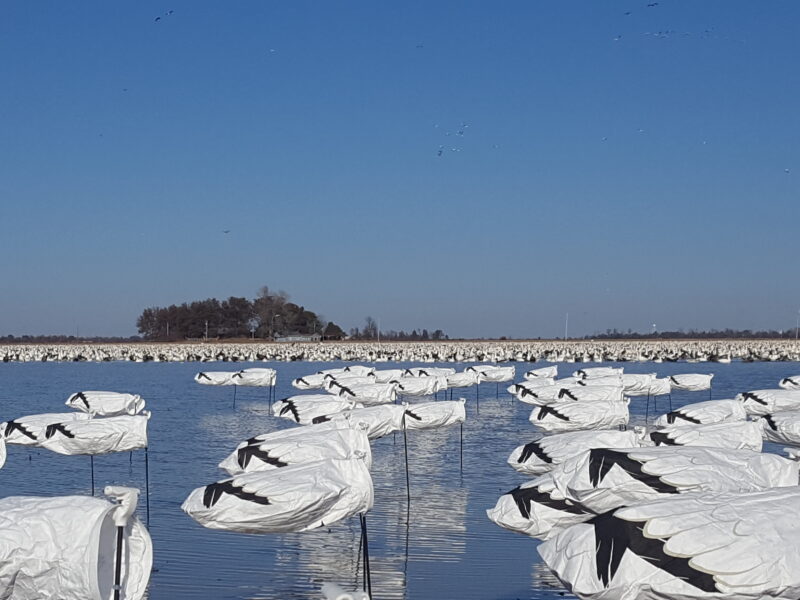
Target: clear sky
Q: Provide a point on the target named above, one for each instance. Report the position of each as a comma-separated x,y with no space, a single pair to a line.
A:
479,167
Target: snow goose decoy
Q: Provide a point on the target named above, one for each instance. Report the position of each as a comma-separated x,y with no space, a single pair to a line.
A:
537,509
367,394
542,455
763,402
304,409
572,416
74,547
781,427
295,498
694,547
734,434
376,421
790,383
602,479
546,372
30,430
106,404
594,372
704,413
297,446
556,394
692,382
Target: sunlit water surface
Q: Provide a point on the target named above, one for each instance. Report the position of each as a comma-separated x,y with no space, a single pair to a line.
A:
442,546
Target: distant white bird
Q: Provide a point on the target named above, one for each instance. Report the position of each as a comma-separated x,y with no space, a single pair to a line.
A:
294,498
703,413
693,547
602,479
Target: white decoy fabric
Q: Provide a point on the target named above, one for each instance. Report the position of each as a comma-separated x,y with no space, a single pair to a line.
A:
548,372
691,382
430,415
255,377
64,547
422,385
734,434
790,383
463,379
428,372
310,382
691,547
305,408
297,446
106,404
573,416
97,436
536,508
704,413
555,394
215,377
763,402
295,498
540,456
376,421
367,394
493,373
594,372
30,429
602,479
782,427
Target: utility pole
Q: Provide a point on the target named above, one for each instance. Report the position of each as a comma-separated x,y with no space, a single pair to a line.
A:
206,330
566,327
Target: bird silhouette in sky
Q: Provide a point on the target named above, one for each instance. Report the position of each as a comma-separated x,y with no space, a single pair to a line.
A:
226,231
652,4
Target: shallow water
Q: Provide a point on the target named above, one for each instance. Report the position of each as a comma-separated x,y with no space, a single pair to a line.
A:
442,546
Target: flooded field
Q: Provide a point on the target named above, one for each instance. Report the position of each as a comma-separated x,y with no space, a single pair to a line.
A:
440,545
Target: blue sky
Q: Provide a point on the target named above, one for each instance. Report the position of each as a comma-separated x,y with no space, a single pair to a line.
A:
627,169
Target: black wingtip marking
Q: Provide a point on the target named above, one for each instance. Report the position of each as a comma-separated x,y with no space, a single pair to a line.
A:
662,439
677,414
13,426
549,410
602,459
771,422
613,536
320,419
51,430
751,396
565,392
202,375
214,492
532,448
525,497
247,453
413,415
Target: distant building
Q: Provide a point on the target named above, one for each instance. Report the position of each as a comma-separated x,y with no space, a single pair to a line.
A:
299,337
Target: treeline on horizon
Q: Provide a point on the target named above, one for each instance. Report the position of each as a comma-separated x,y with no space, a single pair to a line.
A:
419,336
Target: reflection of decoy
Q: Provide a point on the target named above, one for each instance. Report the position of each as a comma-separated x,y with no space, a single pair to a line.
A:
226,231
652,4
156,20
439,152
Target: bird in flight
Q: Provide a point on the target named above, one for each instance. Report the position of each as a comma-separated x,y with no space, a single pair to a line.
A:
226,231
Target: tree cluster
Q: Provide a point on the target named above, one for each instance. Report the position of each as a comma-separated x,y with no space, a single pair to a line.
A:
370,332
269,315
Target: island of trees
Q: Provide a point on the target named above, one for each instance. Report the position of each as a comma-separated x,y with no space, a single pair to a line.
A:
269,315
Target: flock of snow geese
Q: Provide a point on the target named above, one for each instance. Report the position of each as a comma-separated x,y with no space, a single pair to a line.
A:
578,351
689,507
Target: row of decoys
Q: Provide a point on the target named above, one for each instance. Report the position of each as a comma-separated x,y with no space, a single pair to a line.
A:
690,507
